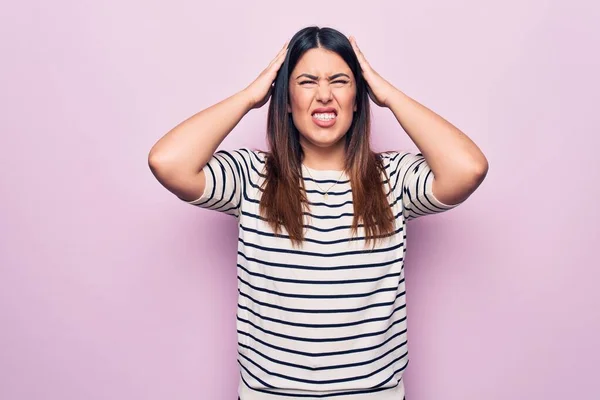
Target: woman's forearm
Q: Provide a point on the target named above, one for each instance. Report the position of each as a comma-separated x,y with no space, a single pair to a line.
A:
455,160
187,147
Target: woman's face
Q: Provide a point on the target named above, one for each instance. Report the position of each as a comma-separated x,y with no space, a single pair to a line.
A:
322,97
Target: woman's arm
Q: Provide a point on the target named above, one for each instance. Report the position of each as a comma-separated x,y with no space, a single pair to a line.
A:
457,163
177,159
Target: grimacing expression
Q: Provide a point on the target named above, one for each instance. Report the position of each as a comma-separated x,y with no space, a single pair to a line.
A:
322,97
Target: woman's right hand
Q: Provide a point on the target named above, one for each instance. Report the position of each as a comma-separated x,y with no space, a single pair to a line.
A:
259,91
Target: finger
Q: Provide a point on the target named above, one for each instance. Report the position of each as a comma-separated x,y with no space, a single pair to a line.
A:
284,48
279,55
279,60
282,53
361,57
274,67
276,63
353,43
357,49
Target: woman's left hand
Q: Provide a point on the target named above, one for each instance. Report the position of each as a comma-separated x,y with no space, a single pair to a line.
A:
380,90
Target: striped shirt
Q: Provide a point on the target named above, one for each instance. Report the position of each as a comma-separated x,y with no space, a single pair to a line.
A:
326,320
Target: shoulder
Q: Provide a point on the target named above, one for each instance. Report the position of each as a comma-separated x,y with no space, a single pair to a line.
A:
398,157
394,154
390,158
258,153
256,156
244,154
251,160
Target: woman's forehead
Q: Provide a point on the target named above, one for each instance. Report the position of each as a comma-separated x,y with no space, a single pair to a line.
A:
321,62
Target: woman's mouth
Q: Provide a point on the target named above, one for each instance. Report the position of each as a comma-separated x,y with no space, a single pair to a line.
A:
324,120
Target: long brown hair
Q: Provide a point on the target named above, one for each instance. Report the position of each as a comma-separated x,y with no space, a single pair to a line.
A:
283,200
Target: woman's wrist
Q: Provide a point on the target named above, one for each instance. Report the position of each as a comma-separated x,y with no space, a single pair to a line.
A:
247,99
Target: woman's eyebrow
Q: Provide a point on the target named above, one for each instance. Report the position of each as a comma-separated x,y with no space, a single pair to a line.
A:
316,78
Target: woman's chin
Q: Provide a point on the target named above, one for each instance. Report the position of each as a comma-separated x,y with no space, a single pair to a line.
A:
323,138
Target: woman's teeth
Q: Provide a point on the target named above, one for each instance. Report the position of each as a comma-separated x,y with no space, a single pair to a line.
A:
324,117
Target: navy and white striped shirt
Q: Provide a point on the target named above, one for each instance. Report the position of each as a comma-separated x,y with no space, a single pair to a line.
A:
327,320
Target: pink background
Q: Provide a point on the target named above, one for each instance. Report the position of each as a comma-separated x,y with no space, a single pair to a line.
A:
111,288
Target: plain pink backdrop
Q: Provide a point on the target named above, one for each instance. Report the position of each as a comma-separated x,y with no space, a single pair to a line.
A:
111,288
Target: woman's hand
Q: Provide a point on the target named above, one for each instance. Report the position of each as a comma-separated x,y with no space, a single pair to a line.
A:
260,90
380,90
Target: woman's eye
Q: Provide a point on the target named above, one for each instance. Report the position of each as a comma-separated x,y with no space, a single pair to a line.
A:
338,81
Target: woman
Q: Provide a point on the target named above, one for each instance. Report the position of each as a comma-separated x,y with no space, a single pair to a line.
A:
322,218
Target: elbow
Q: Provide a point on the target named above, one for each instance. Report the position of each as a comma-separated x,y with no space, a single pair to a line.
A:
472,171
480,169
474,176
154,160
158,162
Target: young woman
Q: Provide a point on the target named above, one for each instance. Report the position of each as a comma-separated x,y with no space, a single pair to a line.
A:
322,218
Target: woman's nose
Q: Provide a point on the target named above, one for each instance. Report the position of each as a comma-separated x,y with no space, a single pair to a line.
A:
324,92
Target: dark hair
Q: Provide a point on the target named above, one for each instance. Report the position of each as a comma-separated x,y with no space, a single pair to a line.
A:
282,199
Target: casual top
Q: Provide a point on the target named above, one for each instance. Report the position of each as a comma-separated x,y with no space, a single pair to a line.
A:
326,320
